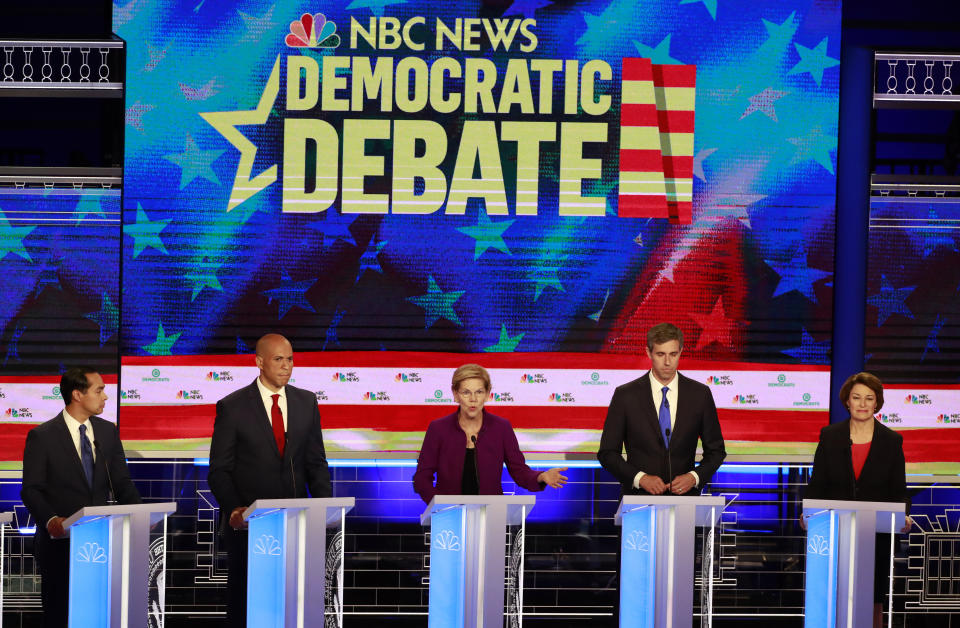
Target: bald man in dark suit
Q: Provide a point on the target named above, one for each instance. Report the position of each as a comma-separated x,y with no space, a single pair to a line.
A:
267,444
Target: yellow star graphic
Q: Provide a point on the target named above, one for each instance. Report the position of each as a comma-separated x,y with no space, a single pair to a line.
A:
226,123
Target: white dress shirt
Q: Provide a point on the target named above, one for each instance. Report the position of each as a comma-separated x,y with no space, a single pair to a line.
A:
73,426
267,395
656,388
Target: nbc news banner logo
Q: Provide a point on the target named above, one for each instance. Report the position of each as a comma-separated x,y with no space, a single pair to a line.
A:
376,396
890,418
219,376
746,400
562,397
131,394
918,400
350,376
328,99
18,413
720,380
407,378
533,378
189,395
501,397
952,419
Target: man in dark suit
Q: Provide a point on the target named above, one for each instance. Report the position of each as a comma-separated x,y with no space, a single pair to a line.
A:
73,460
658,418
266,444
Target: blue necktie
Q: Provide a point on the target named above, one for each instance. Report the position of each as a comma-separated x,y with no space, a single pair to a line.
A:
665,416
86,455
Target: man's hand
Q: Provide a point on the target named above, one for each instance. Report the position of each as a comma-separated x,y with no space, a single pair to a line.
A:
236,518
55,528
653,484
682,484
803,521
907,524
552,477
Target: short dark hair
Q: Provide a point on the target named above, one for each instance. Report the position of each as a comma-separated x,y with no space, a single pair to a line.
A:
869,380
74,378
664,332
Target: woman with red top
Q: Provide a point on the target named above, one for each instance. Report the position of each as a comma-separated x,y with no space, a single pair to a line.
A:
862,459
466,450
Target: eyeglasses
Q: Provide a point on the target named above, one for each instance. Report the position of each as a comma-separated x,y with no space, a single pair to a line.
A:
472,394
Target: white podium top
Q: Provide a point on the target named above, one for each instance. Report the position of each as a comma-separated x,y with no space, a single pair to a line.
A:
89,513
882,510
705,505
6,517
513,504
267,506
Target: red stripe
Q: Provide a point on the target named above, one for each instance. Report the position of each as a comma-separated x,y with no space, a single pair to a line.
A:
919,387
636,160
931,444
108,378
678,167
196,421
674,121
427,359
681,213
635,114
636,69
12,438
632,206
674,75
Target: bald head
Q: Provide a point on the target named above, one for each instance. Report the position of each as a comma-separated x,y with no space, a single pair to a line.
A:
275,361
268,343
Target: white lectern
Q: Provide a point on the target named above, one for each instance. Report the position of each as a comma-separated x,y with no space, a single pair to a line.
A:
286,560
657,557
5,518
109,563
841,538
468,556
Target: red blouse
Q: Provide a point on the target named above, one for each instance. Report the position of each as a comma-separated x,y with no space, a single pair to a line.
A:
860,452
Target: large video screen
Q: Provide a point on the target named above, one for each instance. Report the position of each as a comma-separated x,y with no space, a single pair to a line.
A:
913,292
402,187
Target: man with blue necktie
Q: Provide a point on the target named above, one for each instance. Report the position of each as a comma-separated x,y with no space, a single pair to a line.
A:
658,419
73,460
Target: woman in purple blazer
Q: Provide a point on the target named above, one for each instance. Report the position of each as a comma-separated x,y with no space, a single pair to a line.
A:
466,450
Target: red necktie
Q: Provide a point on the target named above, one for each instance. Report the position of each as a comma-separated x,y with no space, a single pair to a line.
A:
276,416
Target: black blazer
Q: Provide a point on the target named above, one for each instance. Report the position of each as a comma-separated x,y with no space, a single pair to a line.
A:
632,423
245,463
54,483
883,478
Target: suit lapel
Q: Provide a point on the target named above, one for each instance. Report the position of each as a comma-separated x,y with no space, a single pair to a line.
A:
262,419
648,408
69,450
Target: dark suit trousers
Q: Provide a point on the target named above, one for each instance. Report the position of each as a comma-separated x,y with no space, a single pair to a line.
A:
53,558
236,545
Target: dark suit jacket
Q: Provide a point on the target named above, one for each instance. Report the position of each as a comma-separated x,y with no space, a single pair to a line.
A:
632,423
54,483
883,478
245,463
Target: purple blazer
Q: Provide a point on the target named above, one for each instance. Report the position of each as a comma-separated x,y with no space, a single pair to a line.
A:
444,450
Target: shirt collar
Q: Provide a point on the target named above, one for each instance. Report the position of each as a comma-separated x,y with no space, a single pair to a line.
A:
266,393
74,425
658,387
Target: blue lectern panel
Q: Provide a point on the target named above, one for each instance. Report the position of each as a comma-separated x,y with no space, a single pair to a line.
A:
90,574
266,570
820,600
447,558
638,564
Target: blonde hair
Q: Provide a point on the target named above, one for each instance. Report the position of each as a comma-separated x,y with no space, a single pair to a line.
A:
470,371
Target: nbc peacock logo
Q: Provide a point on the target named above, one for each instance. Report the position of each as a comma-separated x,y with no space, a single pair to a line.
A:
312,31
